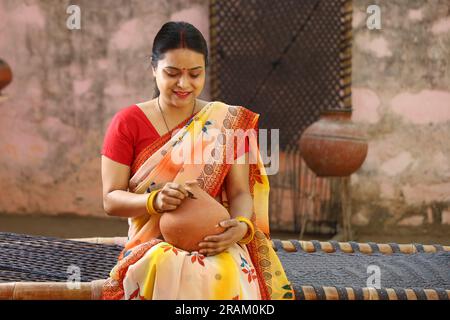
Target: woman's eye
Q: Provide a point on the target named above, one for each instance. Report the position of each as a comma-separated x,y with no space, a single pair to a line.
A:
172,75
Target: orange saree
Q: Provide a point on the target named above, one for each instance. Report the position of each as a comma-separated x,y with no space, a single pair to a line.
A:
150,268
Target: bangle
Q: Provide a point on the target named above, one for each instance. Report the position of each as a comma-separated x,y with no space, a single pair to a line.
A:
151,197
250,230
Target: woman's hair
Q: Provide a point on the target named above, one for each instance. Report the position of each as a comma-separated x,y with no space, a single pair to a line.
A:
176,35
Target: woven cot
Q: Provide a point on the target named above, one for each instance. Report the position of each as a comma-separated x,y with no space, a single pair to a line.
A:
36,267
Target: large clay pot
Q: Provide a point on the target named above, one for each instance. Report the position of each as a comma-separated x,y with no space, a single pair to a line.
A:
196,218
5,74
333,146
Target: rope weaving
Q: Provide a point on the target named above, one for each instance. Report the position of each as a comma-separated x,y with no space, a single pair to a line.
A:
399,270
317,270
37,258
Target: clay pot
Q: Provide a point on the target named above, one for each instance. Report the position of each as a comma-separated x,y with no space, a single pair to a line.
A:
196,218
5,74
333,146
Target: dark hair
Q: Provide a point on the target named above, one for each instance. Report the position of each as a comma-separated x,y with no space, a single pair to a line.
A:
176,35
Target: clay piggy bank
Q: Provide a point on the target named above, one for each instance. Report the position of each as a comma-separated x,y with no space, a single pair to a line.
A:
194,219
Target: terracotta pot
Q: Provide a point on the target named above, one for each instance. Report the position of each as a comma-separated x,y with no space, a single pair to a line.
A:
196,218
333,146
5,74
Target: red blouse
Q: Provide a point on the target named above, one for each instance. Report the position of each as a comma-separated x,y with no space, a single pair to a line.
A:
129,132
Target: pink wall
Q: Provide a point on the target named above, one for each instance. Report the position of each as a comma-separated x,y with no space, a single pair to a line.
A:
401,95
67,85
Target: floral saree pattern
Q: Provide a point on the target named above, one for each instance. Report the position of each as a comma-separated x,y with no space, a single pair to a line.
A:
150,268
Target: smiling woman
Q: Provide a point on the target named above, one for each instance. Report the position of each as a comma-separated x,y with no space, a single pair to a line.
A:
142,181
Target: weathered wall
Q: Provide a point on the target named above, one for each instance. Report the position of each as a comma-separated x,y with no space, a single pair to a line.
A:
68,84
66,87
401,95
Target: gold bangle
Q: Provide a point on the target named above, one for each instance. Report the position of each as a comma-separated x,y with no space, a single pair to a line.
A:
151,197
250,230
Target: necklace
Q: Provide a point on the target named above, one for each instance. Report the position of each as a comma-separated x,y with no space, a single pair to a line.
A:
164,118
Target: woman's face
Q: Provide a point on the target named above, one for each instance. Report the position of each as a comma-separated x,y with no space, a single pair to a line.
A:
180,76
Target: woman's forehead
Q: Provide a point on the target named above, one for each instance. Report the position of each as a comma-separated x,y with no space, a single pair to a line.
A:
183,59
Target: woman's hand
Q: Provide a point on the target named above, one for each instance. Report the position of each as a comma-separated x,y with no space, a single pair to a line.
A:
170,197
235,231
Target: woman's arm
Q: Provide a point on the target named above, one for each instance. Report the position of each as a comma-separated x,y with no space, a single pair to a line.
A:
117,201
240,204
238,191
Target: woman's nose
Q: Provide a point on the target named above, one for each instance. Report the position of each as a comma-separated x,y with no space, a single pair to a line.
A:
183,80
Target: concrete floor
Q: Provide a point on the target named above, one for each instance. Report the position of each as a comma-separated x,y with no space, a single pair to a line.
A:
67,226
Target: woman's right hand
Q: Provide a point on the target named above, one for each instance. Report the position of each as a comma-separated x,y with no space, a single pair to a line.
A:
170,197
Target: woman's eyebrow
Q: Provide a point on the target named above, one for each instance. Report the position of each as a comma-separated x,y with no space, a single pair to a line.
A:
170,67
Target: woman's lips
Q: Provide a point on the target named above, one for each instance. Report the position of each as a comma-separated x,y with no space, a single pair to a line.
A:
182,95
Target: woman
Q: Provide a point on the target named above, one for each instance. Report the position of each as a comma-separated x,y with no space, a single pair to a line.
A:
141,181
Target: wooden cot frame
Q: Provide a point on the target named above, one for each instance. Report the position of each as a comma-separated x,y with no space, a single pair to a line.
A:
92,290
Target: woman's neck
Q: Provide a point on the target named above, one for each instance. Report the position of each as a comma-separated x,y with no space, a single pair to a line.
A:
175,112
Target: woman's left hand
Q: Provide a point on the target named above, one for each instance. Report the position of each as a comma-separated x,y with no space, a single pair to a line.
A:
235,231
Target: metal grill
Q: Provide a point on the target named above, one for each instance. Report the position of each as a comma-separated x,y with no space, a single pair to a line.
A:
287,60
282,59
